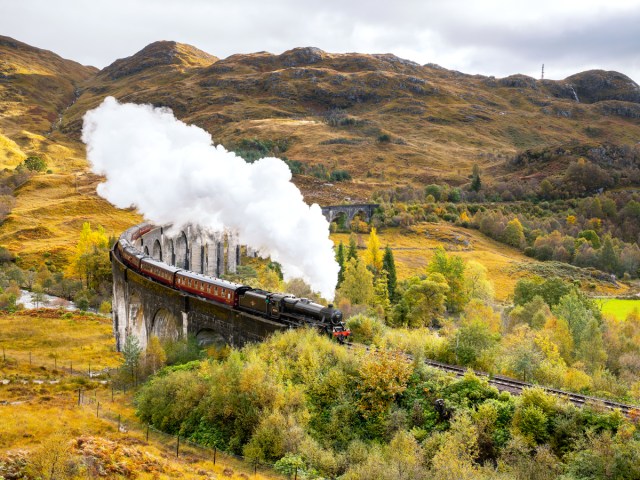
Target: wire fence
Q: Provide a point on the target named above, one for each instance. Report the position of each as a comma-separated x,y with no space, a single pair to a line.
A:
105,404
54,364
108,403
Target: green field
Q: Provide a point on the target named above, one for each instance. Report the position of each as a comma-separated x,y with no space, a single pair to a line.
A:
620,309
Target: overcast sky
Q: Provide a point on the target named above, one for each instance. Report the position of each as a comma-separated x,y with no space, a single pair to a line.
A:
490,37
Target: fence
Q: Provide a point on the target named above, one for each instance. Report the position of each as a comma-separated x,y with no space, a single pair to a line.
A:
107,403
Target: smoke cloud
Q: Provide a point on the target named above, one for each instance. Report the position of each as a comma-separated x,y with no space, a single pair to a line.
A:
173,174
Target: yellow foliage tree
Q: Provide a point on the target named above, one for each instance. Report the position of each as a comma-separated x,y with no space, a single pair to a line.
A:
90,261
373,255
154,357
357,285
382,376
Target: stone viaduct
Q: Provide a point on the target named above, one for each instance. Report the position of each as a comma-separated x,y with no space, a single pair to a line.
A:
350,211
143,307
192,249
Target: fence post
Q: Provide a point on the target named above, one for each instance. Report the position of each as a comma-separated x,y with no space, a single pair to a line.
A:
147,432
97,408
296,474
89,369
71,366
29,359
215,450
178,447
79,390
111,392
4,355
118,422
55,362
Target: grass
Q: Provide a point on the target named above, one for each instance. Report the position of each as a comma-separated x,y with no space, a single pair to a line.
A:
620,308
39,407
69,338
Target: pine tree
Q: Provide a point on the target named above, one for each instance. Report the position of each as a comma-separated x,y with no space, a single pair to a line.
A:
476,183
131,352
389,265
341,261
352,253
608,256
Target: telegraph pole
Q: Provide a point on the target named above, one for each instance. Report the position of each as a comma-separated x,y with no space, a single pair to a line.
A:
542,77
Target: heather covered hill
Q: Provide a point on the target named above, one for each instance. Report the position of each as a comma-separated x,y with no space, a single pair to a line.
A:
383,119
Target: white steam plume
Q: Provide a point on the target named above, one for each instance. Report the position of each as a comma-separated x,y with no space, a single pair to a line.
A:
173,174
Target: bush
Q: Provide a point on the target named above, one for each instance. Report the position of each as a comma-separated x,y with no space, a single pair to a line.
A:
105,308
339,176
35,164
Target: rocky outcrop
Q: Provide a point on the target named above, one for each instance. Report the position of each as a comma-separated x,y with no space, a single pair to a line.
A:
619,109
518,81
158,54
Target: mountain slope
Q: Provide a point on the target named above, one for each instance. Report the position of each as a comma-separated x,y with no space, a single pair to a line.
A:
383,119
35,86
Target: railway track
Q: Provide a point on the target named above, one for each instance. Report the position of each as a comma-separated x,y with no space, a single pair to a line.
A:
515,387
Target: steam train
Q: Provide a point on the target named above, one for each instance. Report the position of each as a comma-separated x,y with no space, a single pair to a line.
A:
278,307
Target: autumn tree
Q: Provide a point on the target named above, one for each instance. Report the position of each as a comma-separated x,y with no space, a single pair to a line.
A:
357,285
423,301
514,233
90,261
583,318
154,356
452,268
382,376
473,343
381,294
476,282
